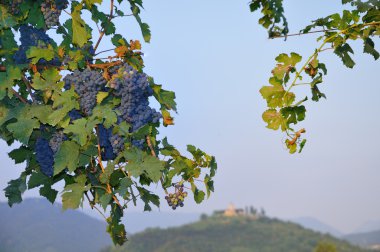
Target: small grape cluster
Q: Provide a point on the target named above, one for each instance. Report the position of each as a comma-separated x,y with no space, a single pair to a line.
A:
87,84
44,156
177,198
51,13
56,141
15,6
30,36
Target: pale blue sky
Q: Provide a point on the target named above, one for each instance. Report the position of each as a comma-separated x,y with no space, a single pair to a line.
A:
216,57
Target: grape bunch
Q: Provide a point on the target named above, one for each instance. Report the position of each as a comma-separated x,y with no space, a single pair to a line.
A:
44,156
30,36
51,13
56,141
176,199
87,84
61,4
134,89
15,6
105,143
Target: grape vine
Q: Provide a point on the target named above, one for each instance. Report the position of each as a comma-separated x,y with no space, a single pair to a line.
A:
86,119
284,110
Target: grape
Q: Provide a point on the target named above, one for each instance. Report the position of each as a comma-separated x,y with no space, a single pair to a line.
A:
134,89
176,199
104,136
15,6
117,143
56,141
30,36
87,84
44,156
51,13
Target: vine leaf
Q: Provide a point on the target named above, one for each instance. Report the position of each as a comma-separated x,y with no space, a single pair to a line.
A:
274,119
276,96
15,189
73,193
140,163
343,52
369,47
49,193
80,35
35,54
23,128
67,149
37,179
285,65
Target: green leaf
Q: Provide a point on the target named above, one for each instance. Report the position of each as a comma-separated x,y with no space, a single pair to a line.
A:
343,52
147,198
37,179
101,96
150,165
198,196
15,189
20,155
23,128
164,97
36,53
145,30
73,193
49,193
80,35
80,131
285,65
276,96
66,157
104,200
369,47
293,115
274,120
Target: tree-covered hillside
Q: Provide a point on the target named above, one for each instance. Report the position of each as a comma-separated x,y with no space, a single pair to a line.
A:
237,234
38,226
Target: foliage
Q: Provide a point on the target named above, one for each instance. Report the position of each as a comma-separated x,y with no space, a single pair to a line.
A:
325,247
218,233
67,108
284,110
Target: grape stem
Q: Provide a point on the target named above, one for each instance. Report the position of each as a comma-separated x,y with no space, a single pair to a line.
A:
296,136
92,205
154,155
103,32
109,190
29,87
19,96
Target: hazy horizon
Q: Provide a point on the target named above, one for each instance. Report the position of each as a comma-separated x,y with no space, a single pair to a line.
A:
216,57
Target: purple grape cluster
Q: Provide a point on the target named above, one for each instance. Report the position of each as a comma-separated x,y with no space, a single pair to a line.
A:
134,89
56,141
14,6
44,156
87,84
177,198
104,136
30,36
51,13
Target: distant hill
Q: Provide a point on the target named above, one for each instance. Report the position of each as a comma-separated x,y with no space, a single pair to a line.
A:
231,234
35,225
367,239
139,221
316,225
369,226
